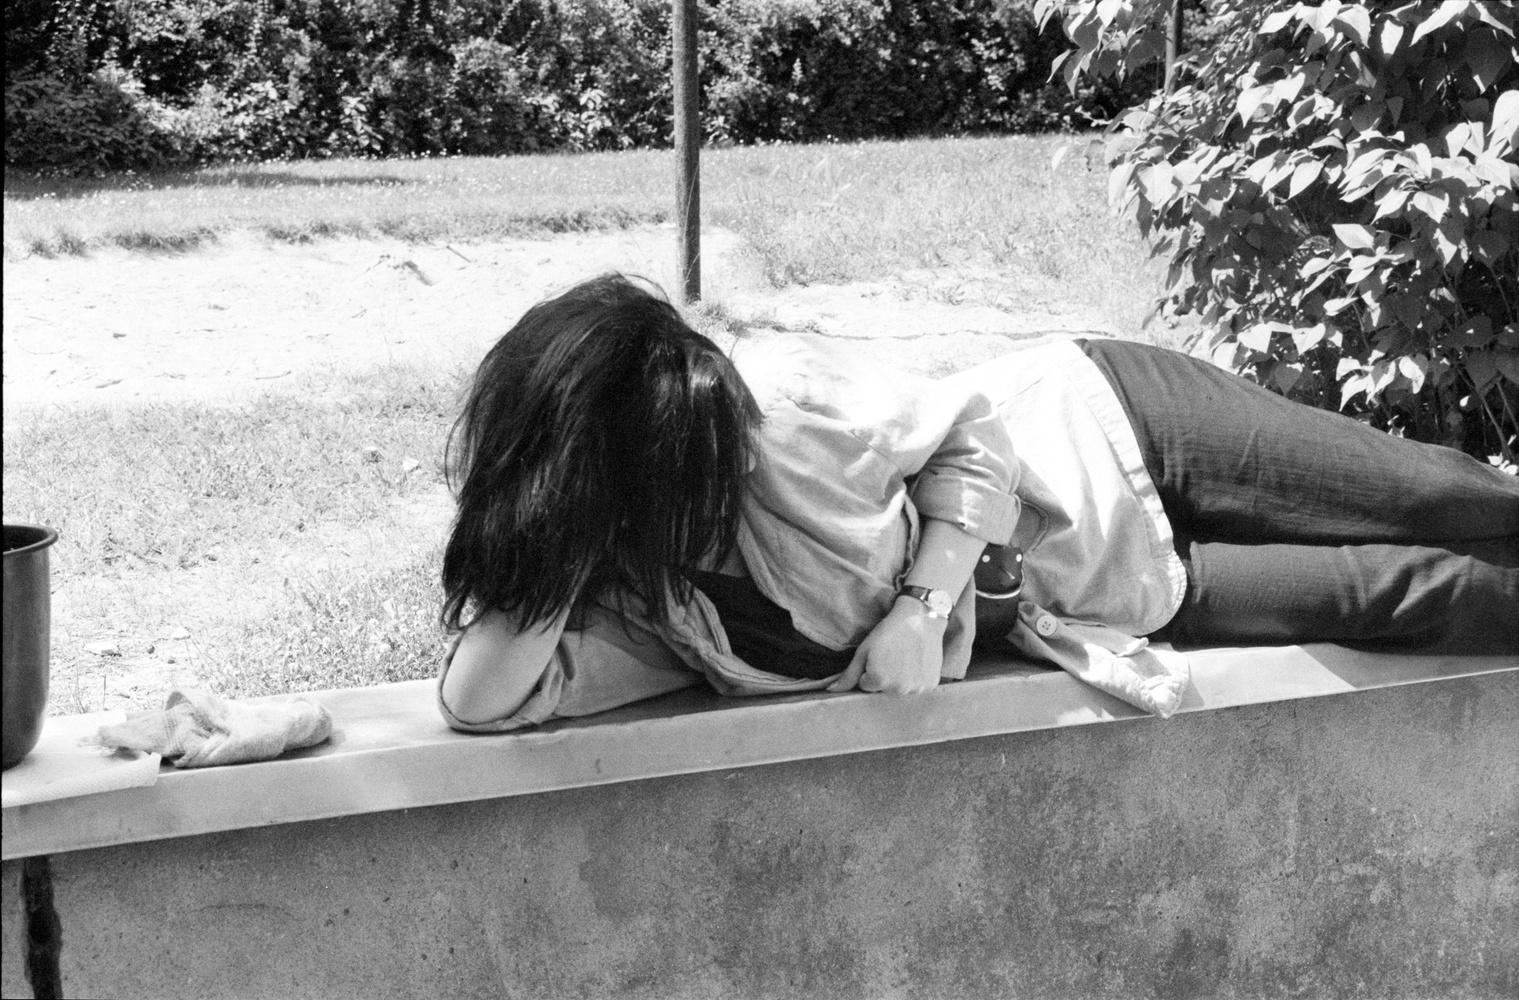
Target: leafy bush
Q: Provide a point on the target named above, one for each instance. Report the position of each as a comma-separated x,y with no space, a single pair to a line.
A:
806,70
1335,186
491,113
92,126
259,79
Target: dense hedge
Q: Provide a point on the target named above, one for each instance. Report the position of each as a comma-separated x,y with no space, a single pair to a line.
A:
97,85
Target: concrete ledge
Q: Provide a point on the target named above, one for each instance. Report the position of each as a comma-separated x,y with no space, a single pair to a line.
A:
391,750
1358,845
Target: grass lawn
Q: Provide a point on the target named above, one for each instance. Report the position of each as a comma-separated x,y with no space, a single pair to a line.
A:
256,490
814,213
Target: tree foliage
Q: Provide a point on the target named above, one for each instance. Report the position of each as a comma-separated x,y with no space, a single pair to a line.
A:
140,82
1335,186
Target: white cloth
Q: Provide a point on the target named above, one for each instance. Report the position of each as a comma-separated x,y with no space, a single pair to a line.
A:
200,729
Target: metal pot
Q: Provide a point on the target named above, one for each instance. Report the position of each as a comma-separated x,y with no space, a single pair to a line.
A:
26,635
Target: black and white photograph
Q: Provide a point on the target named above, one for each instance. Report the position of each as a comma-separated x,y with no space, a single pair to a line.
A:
761,500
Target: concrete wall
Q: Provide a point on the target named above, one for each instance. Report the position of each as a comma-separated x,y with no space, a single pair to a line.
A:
1357,845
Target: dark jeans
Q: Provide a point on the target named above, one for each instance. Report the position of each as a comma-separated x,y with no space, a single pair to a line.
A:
1298,524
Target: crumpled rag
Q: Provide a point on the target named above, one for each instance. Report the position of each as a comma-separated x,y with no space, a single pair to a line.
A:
199,729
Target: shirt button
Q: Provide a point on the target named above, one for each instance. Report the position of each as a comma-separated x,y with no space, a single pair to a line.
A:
1046,625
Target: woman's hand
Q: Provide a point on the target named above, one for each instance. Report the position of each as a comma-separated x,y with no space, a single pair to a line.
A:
903,654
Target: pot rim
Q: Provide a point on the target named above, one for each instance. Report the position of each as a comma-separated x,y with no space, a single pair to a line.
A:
47,537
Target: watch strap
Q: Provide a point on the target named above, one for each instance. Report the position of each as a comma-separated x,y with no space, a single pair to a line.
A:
937,602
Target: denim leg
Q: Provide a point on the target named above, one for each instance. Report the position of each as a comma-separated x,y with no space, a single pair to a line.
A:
1379,596
1301,525
1235,462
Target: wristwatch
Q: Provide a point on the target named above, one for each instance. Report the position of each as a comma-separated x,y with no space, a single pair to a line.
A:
938,602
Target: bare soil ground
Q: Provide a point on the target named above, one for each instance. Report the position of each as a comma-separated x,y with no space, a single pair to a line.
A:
123,327
246,316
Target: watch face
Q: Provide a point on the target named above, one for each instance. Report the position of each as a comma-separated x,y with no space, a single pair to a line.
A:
939,603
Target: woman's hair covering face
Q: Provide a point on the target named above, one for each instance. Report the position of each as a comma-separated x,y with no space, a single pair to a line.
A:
603,443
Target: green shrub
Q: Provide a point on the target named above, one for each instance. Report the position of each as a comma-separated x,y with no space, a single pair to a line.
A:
1335,186
262,79
808,70
490,112
98,124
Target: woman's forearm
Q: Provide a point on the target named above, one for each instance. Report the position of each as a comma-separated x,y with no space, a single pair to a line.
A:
497,665
946,557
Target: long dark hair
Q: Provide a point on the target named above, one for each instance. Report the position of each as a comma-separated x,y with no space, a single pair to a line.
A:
603,443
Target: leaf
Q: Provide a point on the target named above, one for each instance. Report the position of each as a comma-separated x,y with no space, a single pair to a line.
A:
1447,244
1486,16
1286,376
1309,338
1463,136
1250,100
1353,387
1315,265
1392,37
1261,168
1494,171
1415,368
1308,108
1432,205
1491,244
1316,17
1355,237
1303,177
1275,22
1288,88
1358,173
1156,180
1478,332
1278,173
1391,203
1503,132
1448,11
1373,289
1477,107
1257,338
1423,158
1487,57
1119,192
1482,369
1367,115
1356,22
1507,363
1360,268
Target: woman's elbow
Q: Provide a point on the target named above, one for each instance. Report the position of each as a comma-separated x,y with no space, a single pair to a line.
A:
495,668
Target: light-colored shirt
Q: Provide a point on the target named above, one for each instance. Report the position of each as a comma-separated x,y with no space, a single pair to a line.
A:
1031,447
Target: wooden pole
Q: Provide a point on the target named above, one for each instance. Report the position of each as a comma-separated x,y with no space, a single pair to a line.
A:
683,27
1173,43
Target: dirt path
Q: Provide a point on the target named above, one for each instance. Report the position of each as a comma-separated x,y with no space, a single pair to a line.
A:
120,327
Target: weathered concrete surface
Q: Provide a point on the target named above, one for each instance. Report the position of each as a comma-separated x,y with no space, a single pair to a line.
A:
12,932
1364,845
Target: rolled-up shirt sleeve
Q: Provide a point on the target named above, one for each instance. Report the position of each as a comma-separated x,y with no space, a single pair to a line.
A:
969,477
951,445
